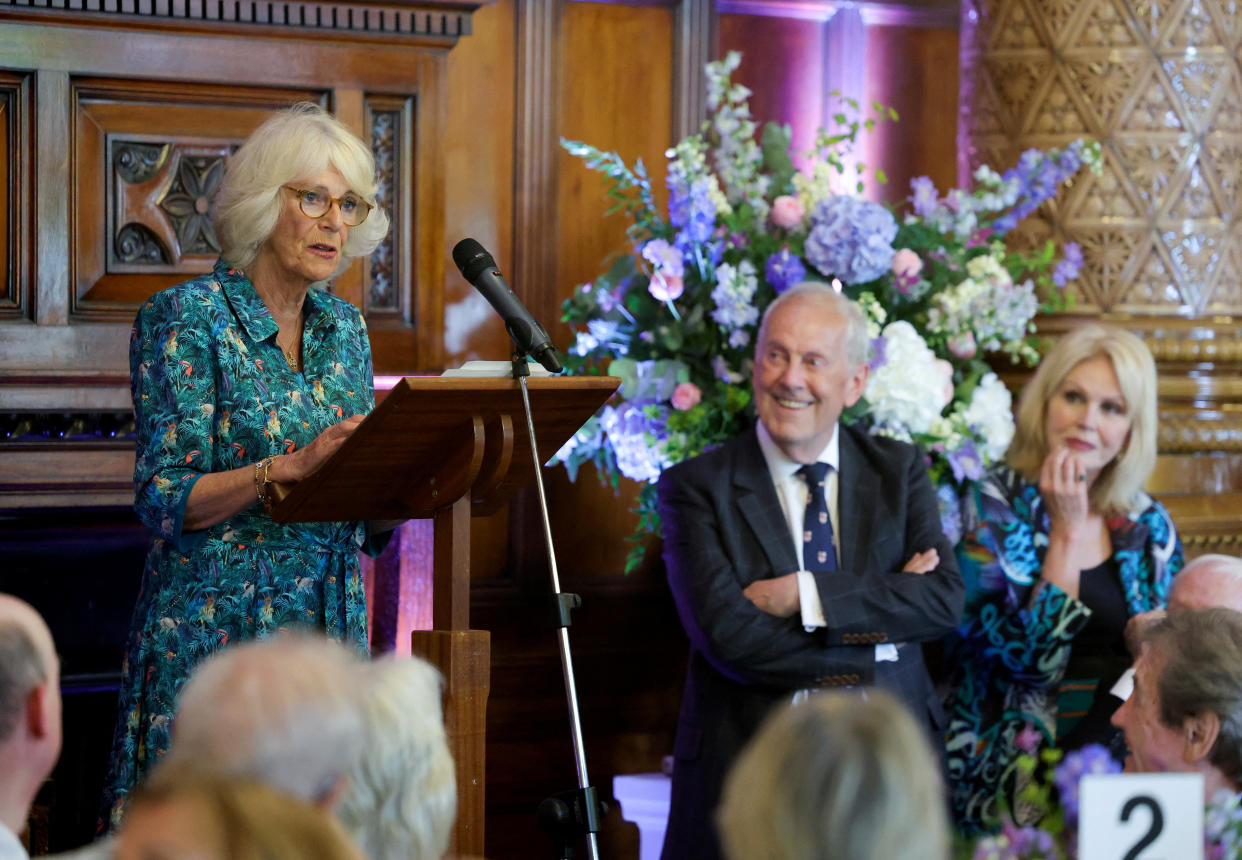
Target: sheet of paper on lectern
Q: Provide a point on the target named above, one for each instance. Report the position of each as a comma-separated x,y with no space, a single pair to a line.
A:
493,370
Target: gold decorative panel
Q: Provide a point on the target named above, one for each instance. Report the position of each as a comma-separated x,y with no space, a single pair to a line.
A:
1158,83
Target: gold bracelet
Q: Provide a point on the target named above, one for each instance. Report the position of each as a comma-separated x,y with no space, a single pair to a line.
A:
262,482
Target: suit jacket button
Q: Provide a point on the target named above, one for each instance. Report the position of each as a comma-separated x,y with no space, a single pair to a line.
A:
881,637
854,679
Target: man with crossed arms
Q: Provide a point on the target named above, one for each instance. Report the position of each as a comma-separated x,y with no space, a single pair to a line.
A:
763,621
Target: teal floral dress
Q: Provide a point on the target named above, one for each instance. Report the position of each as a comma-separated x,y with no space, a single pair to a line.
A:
1010,652
212,392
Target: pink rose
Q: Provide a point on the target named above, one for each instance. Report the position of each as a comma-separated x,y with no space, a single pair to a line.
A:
665,288
962,345
907,264
947,370
787,211
686,396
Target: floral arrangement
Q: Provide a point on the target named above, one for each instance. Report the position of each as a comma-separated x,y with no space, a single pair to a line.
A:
677,318
1044,823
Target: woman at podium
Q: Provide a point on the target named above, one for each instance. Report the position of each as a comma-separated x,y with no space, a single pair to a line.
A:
244,377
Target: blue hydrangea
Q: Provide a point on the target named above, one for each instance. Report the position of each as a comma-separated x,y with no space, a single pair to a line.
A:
635,430
851,239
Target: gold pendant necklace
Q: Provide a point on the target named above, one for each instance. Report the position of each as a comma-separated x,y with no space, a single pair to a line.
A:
292,353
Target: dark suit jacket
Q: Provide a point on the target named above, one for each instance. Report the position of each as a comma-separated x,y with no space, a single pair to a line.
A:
723,529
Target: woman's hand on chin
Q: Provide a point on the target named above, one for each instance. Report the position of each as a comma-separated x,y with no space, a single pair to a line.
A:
291,468
1063,483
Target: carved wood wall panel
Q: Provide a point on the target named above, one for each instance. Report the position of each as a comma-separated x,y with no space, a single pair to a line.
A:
116,119
146,162
1160,85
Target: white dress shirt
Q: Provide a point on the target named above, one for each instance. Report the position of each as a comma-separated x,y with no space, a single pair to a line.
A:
794,495
11,847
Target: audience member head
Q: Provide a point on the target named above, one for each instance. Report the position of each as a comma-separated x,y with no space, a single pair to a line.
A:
402,792
176,818
1185,713
30,730
1209,580
1120,475
290,146
838,777
282,711
810,364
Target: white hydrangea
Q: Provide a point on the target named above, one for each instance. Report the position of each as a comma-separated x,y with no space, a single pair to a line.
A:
909,391
990,417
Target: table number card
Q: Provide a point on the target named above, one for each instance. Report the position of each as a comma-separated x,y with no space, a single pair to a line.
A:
1141,816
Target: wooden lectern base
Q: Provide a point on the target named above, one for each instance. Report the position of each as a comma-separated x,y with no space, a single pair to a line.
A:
464,658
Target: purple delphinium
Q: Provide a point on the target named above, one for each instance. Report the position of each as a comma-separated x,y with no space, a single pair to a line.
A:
965,463
1070,265
1038,176
879,353
691,210
1093,758
924,196
950,513
783,270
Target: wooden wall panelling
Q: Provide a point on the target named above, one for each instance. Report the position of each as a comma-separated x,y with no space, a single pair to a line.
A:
535,213
616,88
696,47
783,65
16,146
914,71
479,165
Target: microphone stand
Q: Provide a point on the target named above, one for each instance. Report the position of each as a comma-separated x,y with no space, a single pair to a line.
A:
567,815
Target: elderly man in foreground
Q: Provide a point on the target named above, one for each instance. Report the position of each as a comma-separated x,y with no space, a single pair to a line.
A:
1185,714
803,554
30,732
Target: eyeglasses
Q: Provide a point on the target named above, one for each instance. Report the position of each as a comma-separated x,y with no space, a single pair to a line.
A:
315,203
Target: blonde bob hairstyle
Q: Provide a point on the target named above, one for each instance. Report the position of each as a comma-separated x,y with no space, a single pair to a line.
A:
215,819
837,777
1118,487
291,146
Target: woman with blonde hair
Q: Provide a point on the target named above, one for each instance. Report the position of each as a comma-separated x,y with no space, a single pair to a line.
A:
199,818
839,776
247,376
1062,546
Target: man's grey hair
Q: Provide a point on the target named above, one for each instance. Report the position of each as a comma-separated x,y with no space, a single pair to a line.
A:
1202,673
22,668
402,793
282,711
857,346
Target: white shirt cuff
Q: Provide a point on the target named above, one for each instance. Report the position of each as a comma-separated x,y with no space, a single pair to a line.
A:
808,599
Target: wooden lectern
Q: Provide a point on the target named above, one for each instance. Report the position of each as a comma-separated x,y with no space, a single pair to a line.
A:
449,448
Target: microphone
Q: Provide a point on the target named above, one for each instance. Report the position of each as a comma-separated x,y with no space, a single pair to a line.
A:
478,267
